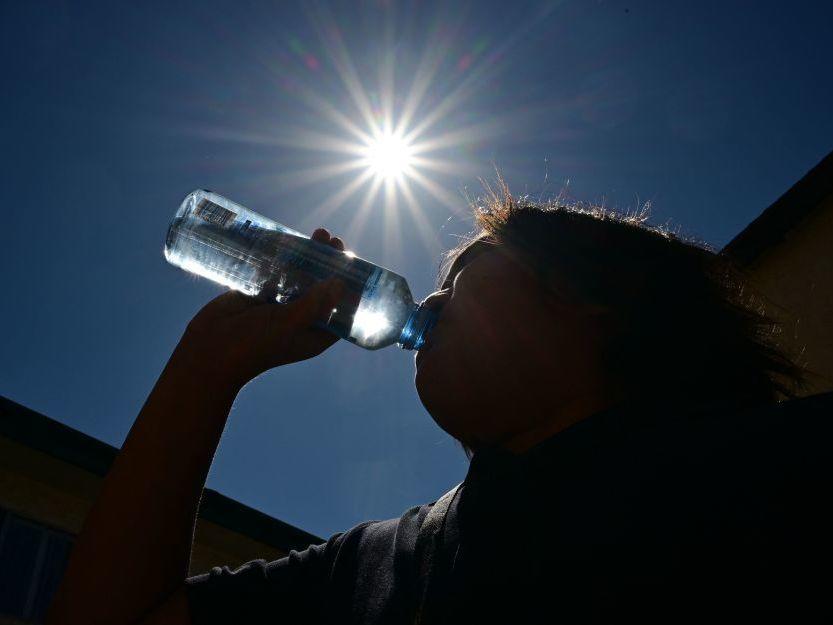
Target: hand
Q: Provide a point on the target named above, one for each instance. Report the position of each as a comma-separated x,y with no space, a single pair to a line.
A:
240,336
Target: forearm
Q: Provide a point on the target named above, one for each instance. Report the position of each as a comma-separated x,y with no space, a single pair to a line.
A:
135,547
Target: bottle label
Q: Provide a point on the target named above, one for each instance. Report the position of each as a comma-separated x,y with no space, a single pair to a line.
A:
214,213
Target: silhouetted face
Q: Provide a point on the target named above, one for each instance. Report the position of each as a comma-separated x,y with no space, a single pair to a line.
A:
503,352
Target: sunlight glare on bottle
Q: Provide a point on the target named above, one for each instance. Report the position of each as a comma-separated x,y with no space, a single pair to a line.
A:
369,323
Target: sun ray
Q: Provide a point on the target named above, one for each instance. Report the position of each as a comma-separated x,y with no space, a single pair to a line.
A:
443,166
473,81
451,202
286,136
430,239
354,230
333,114
319,215
433,56
459,137
305,177
330,36
452,100
305,139
386,76
392,241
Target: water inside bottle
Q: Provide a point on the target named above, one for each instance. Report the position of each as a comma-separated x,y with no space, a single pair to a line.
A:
215,238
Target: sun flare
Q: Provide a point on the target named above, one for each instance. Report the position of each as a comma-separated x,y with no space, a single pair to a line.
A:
388,156
396,149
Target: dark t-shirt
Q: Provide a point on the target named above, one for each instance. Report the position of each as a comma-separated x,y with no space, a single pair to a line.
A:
630,515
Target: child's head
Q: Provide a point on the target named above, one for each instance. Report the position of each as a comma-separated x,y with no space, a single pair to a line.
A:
553,310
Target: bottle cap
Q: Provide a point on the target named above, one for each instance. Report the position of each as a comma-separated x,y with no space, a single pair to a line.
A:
417,327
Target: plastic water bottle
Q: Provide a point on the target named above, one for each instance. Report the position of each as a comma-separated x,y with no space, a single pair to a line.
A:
215,238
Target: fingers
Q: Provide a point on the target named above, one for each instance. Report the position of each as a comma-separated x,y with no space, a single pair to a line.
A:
229,303
322,235
315,304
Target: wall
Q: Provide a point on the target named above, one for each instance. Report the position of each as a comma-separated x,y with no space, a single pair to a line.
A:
796,277
35,486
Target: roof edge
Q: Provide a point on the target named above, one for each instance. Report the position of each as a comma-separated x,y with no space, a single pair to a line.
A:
783,215
44,434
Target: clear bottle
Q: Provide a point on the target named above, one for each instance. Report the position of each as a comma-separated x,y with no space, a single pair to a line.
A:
215,238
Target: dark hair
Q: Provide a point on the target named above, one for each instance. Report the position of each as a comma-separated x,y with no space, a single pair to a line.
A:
687,327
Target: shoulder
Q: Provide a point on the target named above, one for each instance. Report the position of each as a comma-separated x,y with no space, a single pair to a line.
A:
305,579
381,538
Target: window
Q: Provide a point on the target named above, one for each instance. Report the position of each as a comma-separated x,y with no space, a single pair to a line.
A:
32,561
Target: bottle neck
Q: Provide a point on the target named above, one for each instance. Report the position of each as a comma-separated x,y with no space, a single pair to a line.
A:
417,327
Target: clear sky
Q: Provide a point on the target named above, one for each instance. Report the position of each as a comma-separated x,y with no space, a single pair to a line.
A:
112,112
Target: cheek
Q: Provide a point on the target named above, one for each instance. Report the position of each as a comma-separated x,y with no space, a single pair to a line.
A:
462,368
478,323
481,339
493,335
444,374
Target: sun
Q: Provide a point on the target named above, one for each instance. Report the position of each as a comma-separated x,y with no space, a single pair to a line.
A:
388,156
387,149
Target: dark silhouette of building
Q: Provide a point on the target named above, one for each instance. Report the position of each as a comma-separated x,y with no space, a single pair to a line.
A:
49,478
787,254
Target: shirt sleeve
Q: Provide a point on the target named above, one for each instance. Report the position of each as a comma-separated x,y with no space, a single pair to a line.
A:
289,590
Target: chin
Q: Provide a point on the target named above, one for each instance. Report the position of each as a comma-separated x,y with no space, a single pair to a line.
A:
428,369
441,400
424,384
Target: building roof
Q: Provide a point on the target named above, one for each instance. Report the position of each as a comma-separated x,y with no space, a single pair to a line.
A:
787,212
46,435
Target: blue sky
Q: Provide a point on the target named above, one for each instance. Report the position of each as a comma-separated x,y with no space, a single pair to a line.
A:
112,112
